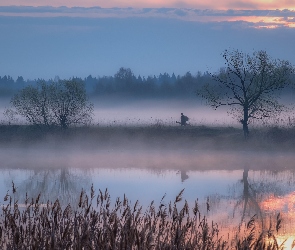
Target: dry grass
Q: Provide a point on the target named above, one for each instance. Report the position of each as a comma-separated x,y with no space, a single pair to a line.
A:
96,223
264,240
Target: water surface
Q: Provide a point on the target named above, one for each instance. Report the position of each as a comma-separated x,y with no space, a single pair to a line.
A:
237,184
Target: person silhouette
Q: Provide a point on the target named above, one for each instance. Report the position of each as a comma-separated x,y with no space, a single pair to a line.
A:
183,119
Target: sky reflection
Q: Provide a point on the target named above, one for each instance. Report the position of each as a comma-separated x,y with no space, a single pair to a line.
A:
234,195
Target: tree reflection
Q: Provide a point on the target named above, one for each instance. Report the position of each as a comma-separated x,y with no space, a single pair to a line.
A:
248,198
256,191
63,184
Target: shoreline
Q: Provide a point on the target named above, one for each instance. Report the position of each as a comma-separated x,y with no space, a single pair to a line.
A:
150,137
176,148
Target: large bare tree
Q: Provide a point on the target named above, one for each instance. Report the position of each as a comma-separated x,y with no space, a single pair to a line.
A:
249,84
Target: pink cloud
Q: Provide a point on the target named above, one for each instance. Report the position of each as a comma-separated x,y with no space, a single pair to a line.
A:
254,18
209,4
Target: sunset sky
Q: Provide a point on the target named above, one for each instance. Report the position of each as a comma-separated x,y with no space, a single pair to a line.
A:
42,39
209,4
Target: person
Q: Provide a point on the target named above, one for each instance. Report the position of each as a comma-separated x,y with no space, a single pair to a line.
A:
183,119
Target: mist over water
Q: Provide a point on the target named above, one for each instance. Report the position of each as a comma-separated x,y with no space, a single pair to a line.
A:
4,104
113,111
118,111
166,112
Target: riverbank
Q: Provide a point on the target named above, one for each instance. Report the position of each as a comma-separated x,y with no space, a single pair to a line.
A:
151,147
150,137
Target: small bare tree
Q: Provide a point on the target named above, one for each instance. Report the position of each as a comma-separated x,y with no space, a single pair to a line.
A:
61,103
250,85
32,102
69,104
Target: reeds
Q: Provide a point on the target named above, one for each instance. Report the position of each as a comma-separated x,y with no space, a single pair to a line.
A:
97,223
264,240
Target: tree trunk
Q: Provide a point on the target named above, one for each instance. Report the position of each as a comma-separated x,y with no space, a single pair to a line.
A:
63,122
245,123
246,130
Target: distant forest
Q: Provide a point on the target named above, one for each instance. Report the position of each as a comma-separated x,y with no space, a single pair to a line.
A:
124,83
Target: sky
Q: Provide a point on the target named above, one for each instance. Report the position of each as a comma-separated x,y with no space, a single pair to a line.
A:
44,39
209,4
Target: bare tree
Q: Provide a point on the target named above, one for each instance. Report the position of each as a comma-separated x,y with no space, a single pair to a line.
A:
62,103
250,85
33,103
69,104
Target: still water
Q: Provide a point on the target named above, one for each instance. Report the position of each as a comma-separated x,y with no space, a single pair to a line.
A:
236,189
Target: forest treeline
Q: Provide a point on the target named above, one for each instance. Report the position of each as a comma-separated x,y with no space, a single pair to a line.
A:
124,83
